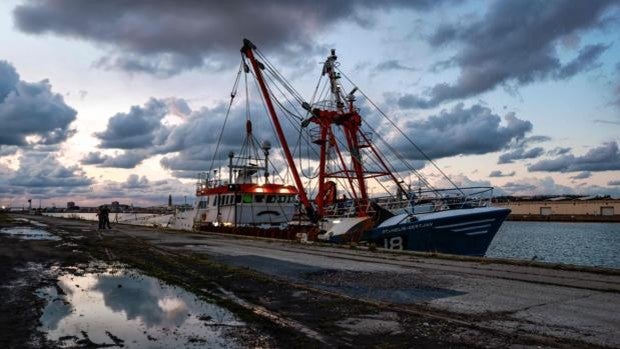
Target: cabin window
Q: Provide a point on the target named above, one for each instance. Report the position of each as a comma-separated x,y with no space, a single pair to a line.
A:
259,198
237,199
206,201
215,200
202,204
247,198
271,199
282,199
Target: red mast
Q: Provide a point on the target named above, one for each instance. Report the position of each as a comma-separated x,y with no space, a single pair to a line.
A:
248,49
339,112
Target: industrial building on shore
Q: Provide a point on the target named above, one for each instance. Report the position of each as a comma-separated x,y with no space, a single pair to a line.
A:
563,208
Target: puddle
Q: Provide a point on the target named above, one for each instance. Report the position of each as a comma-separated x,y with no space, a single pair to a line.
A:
123,308
38,224
26,233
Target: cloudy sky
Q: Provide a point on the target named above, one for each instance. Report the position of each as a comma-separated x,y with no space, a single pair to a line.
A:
116,100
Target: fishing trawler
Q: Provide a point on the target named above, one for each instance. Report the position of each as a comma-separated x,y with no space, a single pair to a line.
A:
350,159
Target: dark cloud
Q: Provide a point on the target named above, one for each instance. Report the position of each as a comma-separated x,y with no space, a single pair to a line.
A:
513,187
186,174
188,145
547,186
520,154
127,159
8,79
616,93
43,170
6,150
136,129
539,186
461,131
614,183
498,173
392,64
582,175
93,158
195,141
586,60
519,149
409,101
559,151
141,191
535,139
514,42
41,175
30,113
134,181
603,158
166,37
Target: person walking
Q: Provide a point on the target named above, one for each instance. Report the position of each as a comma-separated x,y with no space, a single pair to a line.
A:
105,212
100,218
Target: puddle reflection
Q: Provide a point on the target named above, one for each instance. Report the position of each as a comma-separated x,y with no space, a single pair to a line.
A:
126,308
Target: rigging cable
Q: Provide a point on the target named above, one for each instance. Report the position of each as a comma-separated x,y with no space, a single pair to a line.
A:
403,134
233,93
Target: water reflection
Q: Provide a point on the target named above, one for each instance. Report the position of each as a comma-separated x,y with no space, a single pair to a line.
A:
142,299
128,308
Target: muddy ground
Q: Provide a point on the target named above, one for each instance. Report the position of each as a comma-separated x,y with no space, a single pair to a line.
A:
279,313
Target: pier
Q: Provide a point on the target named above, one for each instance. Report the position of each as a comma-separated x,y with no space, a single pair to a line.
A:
346,296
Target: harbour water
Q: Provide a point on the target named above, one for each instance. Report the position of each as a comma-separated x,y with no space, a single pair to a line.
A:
130,218
587,244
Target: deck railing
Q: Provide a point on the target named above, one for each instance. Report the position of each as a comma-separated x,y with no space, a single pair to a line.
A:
418,202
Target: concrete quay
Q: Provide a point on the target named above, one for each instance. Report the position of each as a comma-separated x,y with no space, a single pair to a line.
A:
557,307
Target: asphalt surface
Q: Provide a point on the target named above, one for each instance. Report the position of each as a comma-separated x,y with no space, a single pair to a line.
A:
581,305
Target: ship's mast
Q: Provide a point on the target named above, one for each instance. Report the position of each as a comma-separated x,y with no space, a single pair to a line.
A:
248,49
341,112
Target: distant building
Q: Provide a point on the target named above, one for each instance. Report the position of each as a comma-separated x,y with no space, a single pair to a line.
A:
72,207
577,208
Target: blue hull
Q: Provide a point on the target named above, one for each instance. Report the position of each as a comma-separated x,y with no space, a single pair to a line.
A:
468,233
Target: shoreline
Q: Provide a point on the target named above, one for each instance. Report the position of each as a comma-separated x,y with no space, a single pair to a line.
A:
563,218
